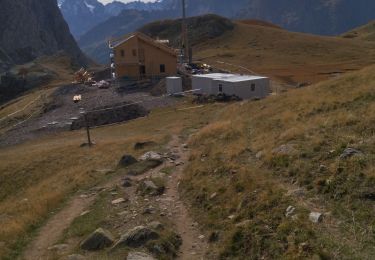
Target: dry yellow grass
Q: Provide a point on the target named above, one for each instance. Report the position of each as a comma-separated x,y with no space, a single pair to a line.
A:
318,122
38,176
285,56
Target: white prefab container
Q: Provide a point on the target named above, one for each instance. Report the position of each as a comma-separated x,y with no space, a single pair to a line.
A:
242,86
201,84
174,85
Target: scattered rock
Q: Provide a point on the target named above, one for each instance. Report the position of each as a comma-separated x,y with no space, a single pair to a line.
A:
243,223
126,182
285,149
304,247
148,210
118,201
85,213
179,163
139,256
136,237
297,193
214,236
123,213
350,152
213,195
290,211
160,175
99,239
75,257
150,188
316,217
153,156
201,237
87,144
185,146
156,225
127,160
59,248
231,217
323,168
259,155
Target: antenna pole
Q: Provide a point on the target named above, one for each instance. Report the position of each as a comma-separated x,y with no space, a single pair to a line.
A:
184,35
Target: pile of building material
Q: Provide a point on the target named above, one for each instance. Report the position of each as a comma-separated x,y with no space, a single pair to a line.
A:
83,77
102,84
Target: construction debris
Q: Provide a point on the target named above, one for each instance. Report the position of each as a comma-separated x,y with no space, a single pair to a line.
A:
102,84
77,98
83,77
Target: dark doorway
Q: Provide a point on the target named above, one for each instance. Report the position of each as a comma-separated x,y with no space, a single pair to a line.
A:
142,69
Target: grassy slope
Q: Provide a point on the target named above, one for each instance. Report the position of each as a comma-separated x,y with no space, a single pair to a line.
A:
366,32
37,177
286,56
319,123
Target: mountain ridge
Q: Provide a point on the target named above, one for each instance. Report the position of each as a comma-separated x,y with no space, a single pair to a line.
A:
30,29
321,17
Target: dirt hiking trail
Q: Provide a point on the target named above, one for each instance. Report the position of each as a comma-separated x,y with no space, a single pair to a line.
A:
193,245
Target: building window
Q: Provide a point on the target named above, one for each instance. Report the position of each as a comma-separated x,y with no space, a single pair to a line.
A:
220,88
252,87
134,52
162,68
122,53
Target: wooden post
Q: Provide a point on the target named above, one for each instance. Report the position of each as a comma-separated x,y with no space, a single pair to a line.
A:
88,131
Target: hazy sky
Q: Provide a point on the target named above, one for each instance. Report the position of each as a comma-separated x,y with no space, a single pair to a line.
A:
125,1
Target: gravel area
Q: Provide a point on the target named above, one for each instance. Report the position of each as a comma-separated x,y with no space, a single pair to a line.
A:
58,114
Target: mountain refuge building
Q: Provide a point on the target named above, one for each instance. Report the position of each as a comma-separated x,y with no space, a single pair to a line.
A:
242,86
138,56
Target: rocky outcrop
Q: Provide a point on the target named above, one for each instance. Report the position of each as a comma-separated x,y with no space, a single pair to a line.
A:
33,28
136,237
127,160
99,239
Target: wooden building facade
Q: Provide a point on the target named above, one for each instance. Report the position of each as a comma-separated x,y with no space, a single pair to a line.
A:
138,56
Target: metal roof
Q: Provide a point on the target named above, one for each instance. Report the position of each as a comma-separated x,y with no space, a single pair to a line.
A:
229,77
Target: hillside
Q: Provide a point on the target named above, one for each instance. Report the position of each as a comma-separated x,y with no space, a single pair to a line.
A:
321,17
366,32
201,29
32,28
253,46
283,158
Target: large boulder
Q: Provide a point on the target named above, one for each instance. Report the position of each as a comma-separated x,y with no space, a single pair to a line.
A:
99,239
127,160
136,237
148,187
350,152
153,156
